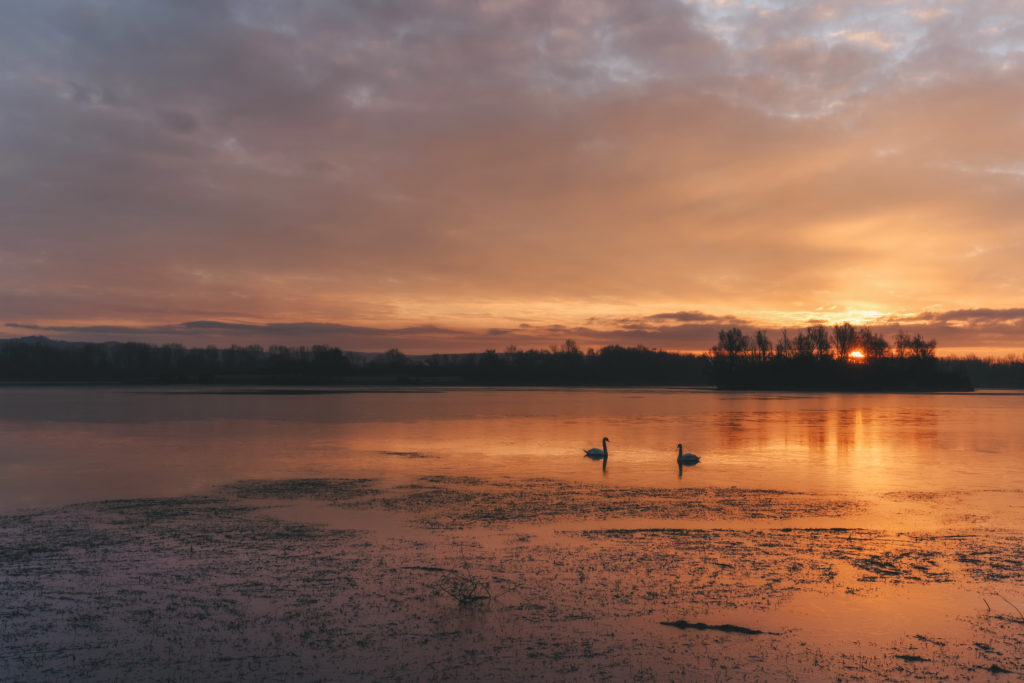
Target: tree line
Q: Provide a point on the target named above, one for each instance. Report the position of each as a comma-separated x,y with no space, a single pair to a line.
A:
44,360
817,357
842,357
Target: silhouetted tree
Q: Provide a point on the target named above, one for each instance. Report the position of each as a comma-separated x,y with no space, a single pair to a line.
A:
903,342
784,349
393,359
813,366
764,345
733,363
922,349
845,338
732,343
329,362
491,365
804,345
818,335
874,345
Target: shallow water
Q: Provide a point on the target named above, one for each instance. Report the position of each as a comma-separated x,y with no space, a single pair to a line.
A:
62,445
907,564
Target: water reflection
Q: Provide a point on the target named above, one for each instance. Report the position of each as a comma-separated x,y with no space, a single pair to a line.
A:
829,431
69,444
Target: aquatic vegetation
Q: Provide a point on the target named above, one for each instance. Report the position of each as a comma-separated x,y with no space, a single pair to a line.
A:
219,586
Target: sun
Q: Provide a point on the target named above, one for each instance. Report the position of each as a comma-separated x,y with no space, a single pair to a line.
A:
856,354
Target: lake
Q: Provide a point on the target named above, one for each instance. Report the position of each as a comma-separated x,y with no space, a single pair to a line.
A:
63,445
869,535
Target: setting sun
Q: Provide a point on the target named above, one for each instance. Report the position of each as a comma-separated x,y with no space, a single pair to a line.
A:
857,355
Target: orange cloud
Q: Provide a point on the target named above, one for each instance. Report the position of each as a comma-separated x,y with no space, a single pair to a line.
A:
471,167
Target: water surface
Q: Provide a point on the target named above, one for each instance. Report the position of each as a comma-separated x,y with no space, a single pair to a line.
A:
62,445
915,553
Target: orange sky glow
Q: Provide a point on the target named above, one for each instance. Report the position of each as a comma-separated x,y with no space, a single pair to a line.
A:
445,176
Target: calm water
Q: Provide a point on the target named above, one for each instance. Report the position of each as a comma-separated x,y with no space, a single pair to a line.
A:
61,445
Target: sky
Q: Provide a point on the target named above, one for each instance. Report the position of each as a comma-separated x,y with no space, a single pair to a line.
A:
446,175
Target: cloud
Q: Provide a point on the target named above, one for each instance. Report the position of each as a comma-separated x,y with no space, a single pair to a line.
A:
690,316
179,121
971,316
689,331
930,14
419,338
471,165
298,330
874,39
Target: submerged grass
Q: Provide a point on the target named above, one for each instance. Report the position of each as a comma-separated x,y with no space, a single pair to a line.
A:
317,489
214,587
459,502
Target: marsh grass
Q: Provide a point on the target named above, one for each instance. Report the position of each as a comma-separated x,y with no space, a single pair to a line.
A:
443,502
317,489
216,587
463,583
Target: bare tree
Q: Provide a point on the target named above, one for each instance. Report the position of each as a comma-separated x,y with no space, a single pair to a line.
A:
732,343
785,346
818,335
764,345
903,345
920,348
845,337
874,345
804,345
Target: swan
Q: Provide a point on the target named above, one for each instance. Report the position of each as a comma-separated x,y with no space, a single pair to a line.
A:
601,452
686,458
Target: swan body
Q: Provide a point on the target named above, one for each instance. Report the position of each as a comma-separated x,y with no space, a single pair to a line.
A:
601,452
686,458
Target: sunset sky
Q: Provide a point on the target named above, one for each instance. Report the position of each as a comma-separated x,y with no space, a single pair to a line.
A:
452,176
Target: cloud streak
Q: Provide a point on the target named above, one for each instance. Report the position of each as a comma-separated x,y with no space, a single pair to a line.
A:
688,331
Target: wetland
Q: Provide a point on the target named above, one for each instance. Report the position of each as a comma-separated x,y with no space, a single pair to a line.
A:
462,535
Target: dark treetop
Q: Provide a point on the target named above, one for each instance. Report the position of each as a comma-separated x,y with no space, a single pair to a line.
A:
816,359
840,358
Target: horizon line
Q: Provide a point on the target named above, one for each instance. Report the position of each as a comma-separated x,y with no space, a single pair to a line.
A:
1009,356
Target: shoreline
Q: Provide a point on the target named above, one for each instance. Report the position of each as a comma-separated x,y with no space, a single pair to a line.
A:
290,387
459,577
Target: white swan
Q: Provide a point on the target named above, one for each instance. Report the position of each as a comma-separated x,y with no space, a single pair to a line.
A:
601,452
686,458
